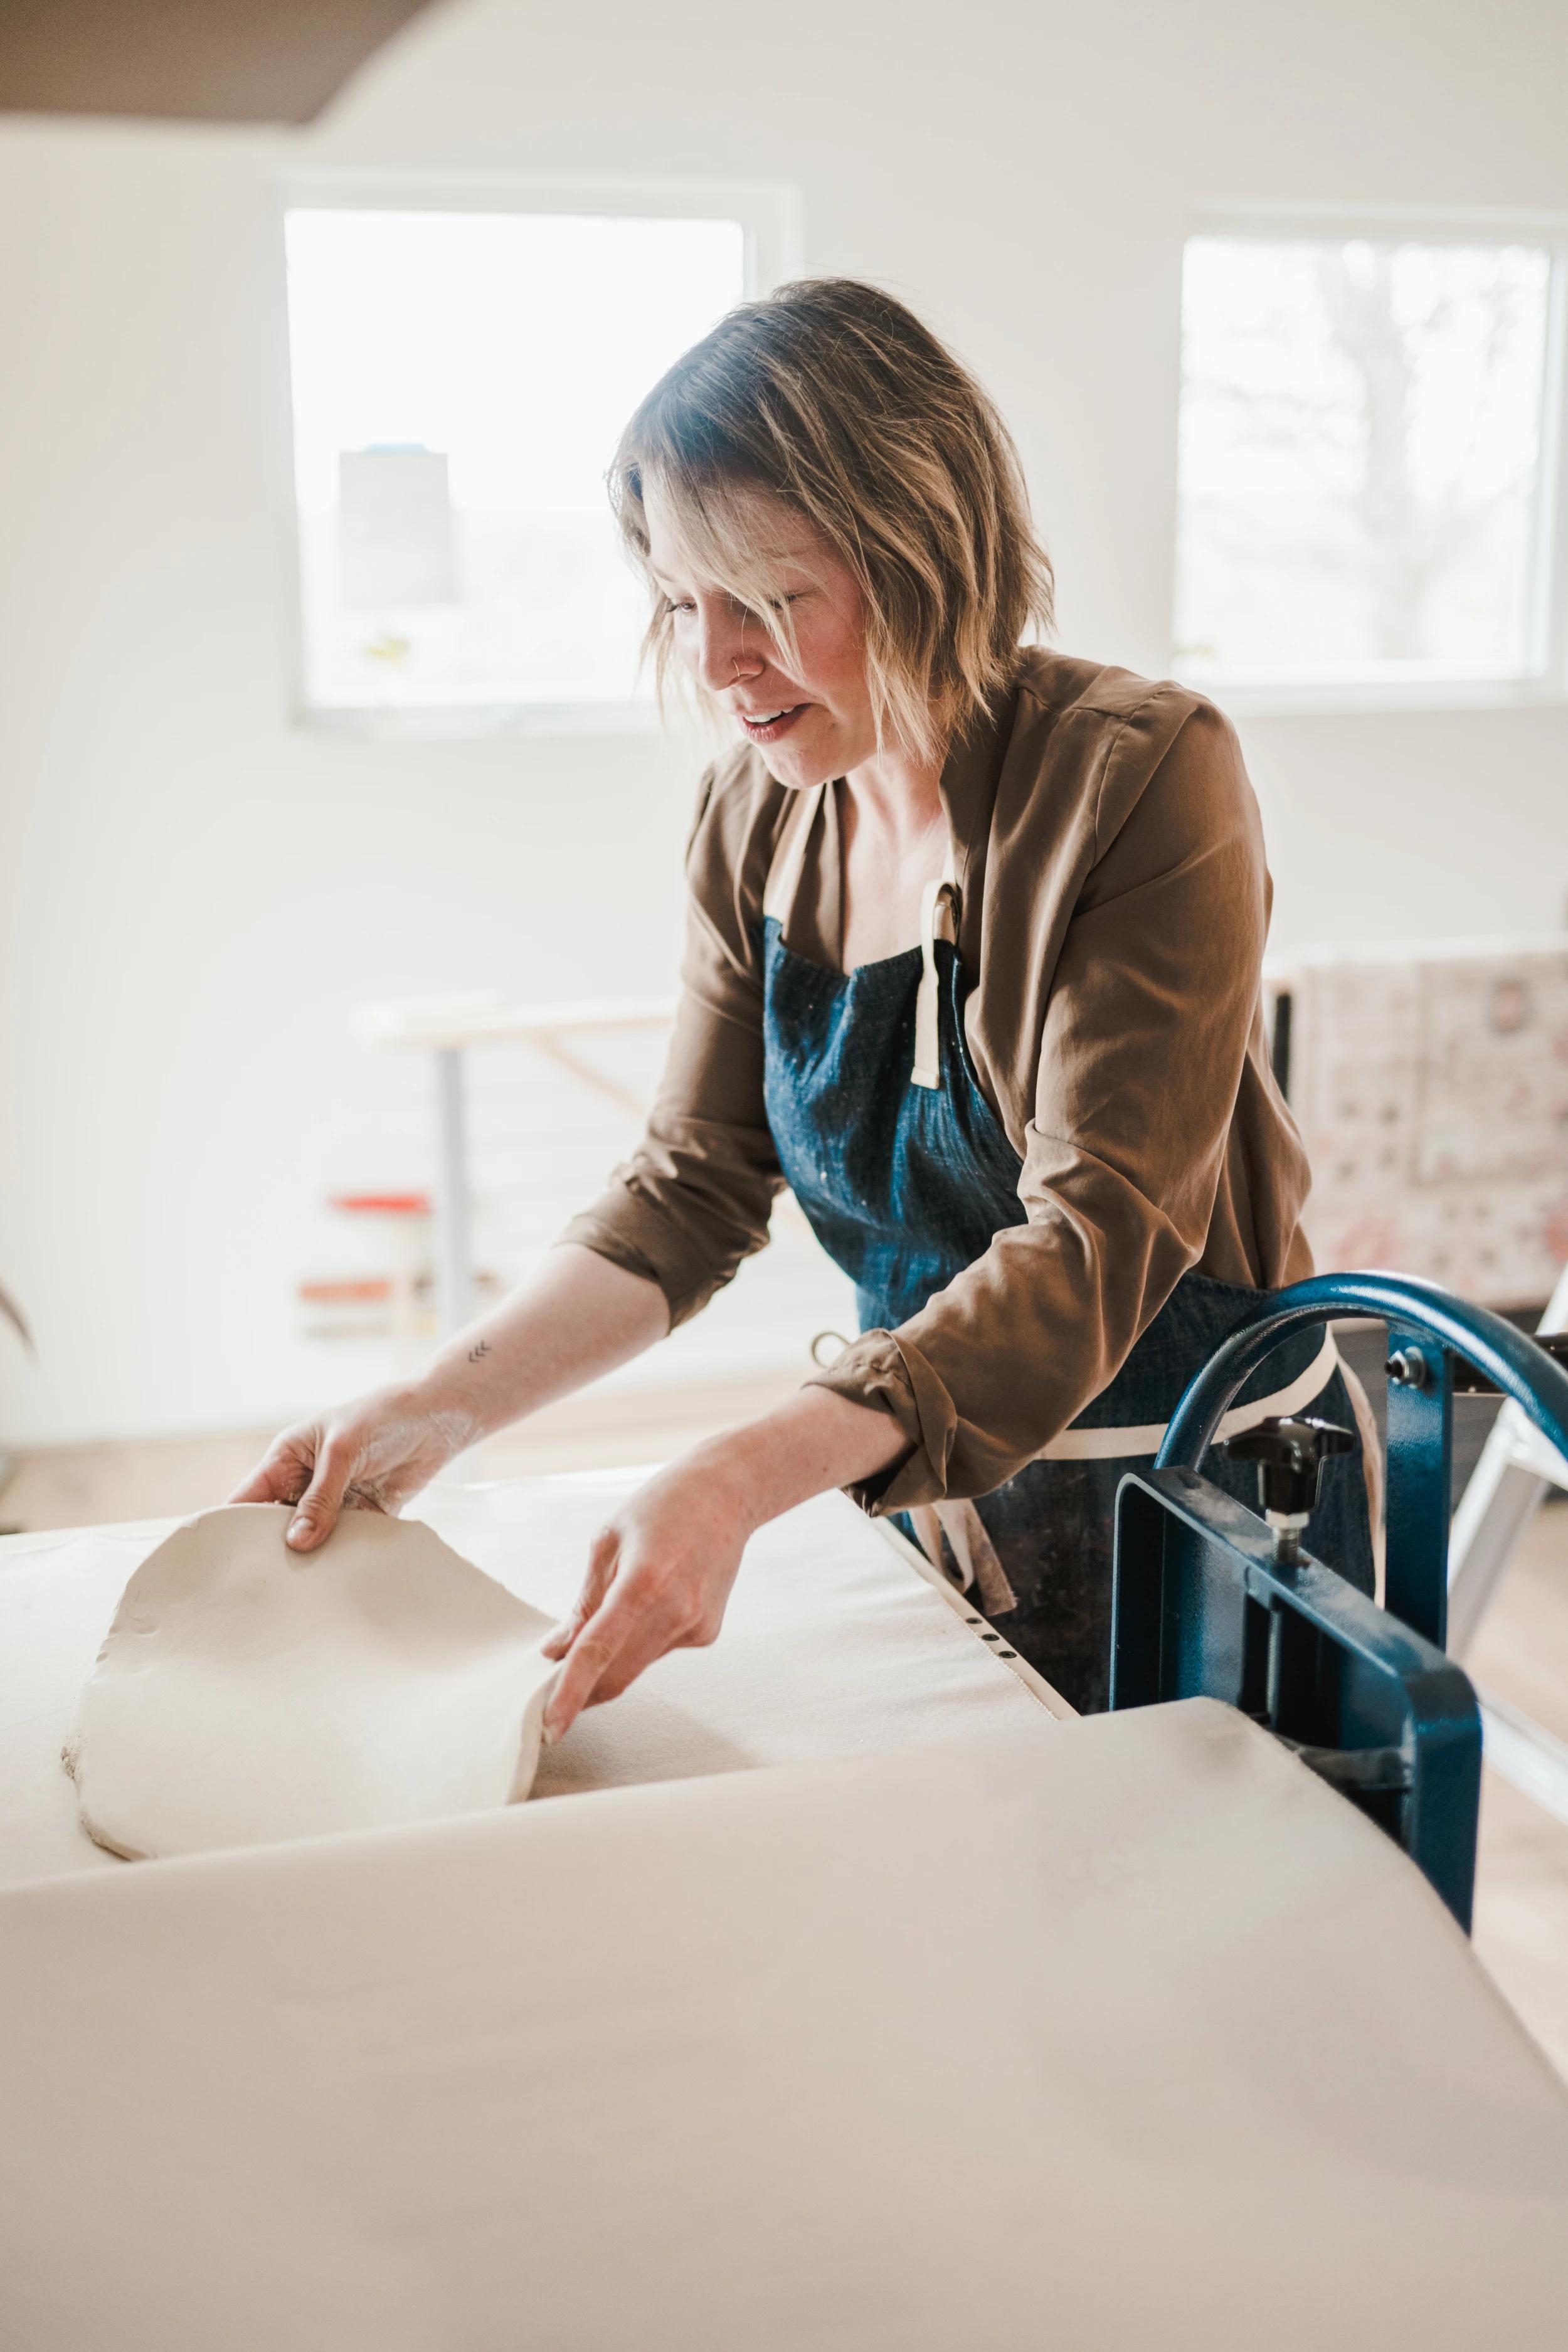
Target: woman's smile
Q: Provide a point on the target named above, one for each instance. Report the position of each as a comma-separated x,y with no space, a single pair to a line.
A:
770,727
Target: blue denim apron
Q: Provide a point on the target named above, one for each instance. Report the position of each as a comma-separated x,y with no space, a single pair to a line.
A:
904,1181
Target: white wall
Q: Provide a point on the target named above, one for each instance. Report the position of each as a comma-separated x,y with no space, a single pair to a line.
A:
197,893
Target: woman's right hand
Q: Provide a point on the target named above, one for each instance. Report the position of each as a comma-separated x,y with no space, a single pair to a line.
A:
370,1454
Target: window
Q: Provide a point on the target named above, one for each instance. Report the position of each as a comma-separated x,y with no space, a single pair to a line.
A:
461,369
1365,460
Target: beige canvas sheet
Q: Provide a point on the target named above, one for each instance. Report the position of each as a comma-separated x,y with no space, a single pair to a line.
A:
1130,2035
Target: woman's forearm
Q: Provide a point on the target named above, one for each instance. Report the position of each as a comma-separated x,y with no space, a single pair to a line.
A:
578,1319
814,1442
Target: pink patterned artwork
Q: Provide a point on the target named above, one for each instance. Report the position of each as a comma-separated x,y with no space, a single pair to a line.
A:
1431,1086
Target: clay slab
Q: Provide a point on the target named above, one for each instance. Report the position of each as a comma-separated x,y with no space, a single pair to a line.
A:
247,1694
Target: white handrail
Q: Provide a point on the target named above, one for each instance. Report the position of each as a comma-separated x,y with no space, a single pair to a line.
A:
446,1027
441,1025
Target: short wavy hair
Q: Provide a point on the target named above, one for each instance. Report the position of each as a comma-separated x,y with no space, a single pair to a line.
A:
831,395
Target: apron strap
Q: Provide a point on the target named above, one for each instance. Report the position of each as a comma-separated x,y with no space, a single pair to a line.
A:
1147,1437
975,1556
936,922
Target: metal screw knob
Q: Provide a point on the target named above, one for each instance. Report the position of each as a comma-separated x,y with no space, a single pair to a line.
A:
1289,1451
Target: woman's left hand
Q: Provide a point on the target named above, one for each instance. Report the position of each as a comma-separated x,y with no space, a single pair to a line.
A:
659,1578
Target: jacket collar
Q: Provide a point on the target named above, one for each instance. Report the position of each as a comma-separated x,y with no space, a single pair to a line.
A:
970,776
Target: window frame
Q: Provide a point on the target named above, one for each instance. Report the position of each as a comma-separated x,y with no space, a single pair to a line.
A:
1545,684
769,215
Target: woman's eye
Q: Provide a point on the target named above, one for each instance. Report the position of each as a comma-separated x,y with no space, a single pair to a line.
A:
674,605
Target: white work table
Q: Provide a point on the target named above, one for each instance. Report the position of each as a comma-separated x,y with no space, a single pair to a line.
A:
944,2023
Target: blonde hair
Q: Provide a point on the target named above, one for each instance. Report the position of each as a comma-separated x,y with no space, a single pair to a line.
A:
830,395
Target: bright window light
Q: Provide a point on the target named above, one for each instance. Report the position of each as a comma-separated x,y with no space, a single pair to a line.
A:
460,379
1361,482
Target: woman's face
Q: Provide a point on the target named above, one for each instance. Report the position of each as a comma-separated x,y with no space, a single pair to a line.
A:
813,720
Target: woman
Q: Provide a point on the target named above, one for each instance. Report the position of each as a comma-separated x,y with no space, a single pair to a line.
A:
972,966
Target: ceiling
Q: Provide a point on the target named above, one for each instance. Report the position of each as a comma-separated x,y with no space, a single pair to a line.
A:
204,60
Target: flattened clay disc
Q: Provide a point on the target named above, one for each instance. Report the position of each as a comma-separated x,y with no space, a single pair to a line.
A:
247,1694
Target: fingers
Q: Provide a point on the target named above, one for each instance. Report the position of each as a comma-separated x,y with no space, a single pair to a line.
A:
628,1633
596,1584
586,1661
636,1656
280,1477
263,1486
644,1618
613,1649
322,1499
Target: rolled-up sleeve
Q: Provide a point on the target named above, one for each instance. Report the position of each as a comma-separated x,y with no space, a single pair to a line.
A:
1145,1037
695,1197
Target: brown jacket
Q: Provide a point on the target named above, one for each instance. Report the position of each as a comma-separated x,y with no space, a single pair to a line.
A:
1113,904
